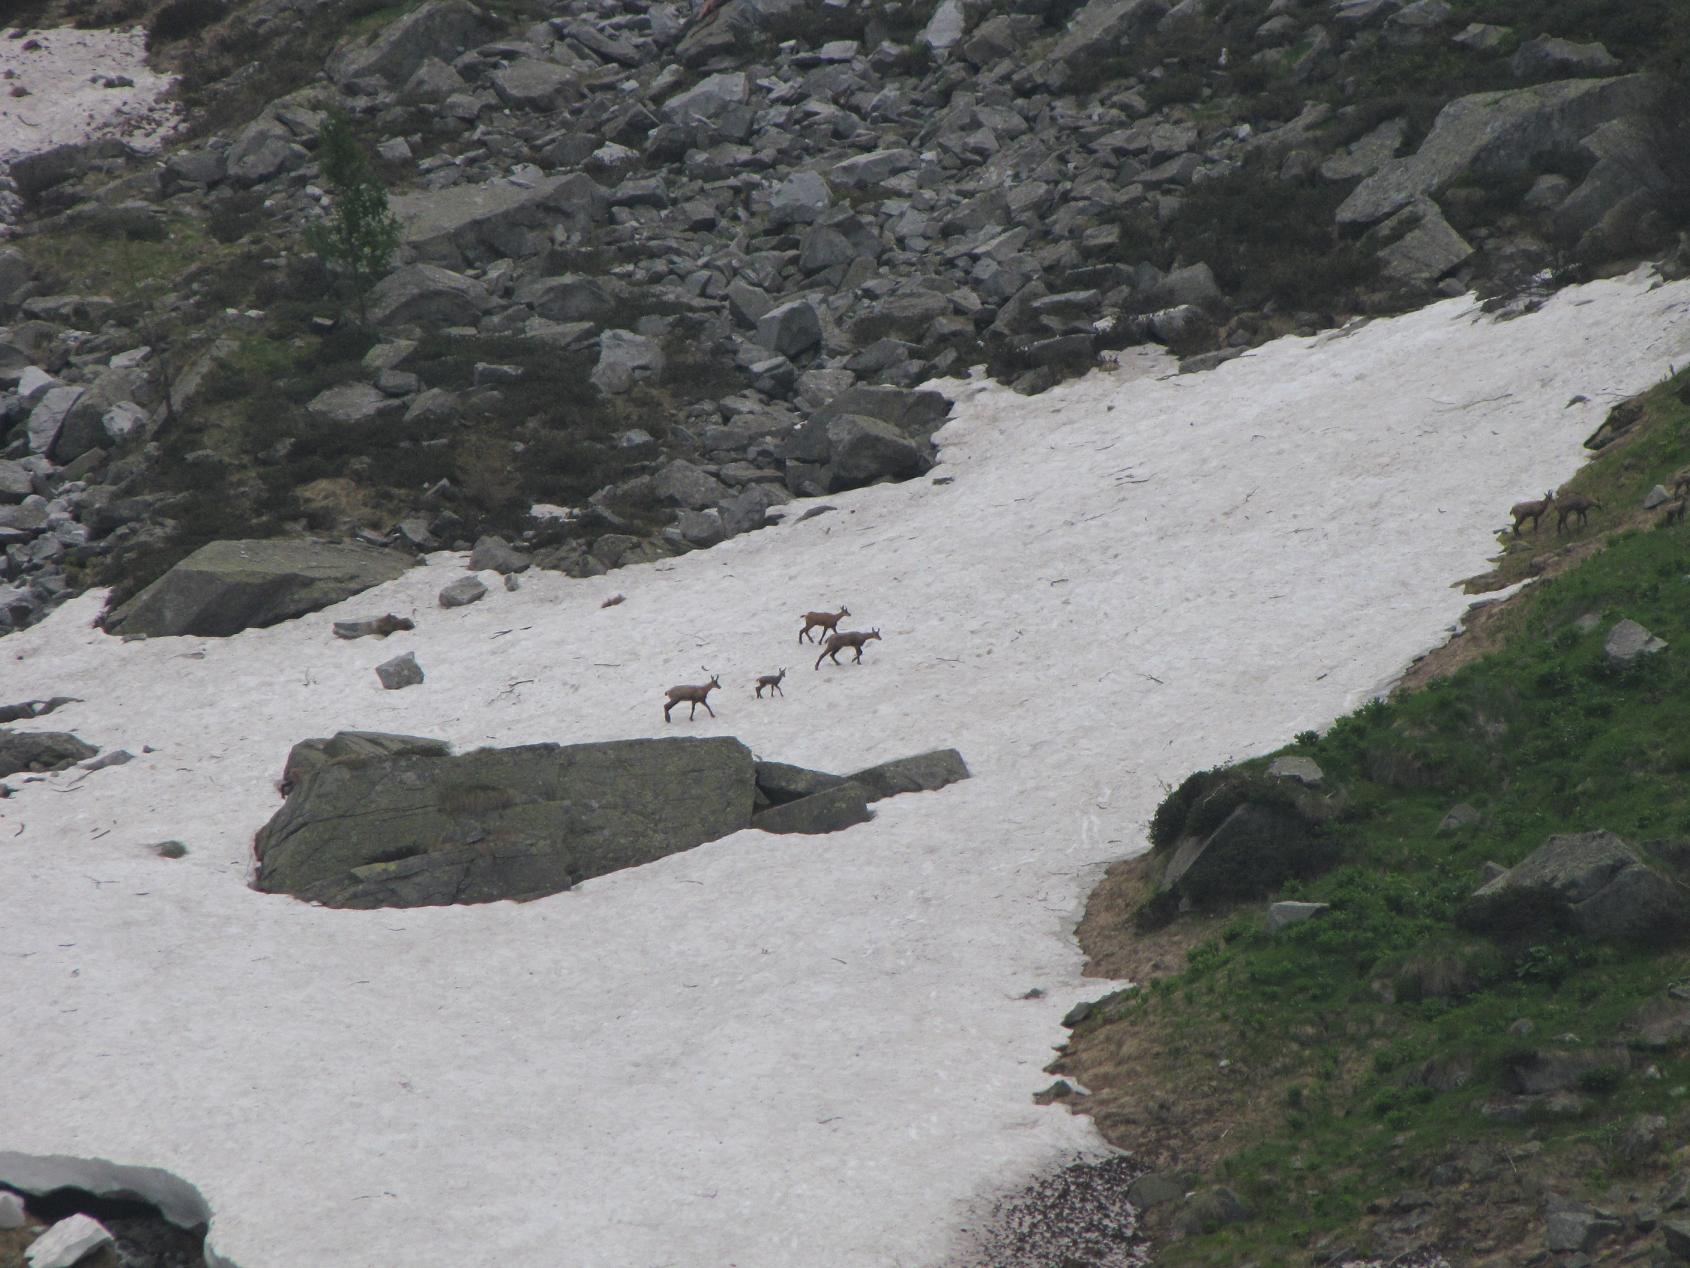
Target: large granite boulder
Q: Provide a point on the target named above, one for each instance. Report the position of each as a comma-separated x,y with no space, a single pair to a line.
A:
442,29
428,295
41,751
344,746
1099,30
1592,883
413,829
1492,135
865,450
474,224
830,810
225,587
925,772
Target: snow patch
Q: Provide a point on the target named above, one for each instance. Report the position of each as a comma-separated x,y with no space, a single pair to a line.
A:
68,101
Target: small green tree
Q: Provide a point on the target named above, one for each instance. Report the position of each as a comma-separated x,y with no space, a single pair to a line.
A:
360,236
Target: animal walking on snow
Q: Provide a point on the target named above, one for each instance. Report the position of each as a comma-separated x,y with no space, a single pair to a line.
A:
837,643
827,622
694,696
772,682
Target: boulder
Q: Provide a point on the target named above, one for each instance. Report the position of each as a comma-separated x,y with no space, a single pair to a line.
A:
400,672
495,554
68,1243
12,1213
865,170
48,416
1098,30
833,808
41,751
917,413
1548,57
473,224
866,449
1283,915
1236,834
429,295
84,426
1423,245
790,329
1593,883
263,149
353,404
571,297
1628,641
531,84
780,782
680,483
1305,770
1538,1071
626,359
1496,134
225,587
709,100
800,199
462,592
924,772
345,746
516,823
441,29
1461,816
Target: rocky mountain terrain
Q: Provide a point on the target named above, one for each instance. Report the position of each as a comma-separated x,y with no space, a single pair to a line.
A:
662,270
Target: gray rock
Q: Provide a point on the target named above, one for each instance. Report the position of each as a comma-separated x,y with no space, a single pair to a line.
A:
48,416
1480,37
701,529
866,449
1628,641
946,27
874,168
377,627
517,823
15,481
1657,496
499,218
1155,1188
1425,246
1305,770
68,1242
352,404
531,84
680,483
709,100
780,782
571,297
917,413
348,746
1268,836
431,83
440,30
84,425
225,587
463,592
11,1211
924,772
1101,29
1208,1210
626,359
800,199
830,810
264,149
1281,915
1367,155
790,329
748,304
748,509
400,672
429,295
1548,57
1461,816
1591,882
495,554
41,751
1495,134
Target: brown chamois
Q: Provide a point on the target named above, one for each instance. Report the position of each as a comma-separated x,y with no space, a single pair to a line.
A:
1681,479
1523,511
694,696
827,622
772,682
837,643
1674,512
1576,505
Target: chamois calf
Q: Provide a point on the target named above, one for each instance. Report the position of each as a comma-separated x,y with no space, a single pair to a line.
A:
772,682
827,622
837,643
1533,511
694,696
1575,505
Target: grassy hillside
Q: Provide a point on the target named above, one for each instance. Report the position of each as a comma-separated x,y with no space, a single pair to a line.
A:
1347,1078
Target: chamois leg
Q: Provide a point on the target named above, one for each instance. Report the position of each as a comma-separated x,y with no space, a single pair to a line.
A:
668,707
774,687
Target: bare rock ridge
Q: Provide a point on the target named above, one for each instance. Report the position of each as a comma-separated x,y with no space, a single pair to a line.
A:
376,820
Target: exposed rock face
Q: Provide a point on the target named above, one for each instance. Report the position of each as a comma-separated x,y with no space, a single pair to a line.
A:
420,830
830,810
41,751
225,587
442,30
924,772
1494,134
471,224
1593,883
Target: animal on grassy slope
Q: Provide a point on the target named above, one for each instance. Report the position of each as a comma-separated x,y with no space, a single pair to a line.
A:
1576,505
1674,512
772,682
837,643
1533,511
1681,480
694,696
827,622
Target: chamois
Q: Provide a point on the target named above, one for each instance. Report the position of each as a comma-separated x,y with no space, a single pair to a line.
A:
1674,512
1681,480
837,643
772,682
1576,505
1523,511
827,622
694,696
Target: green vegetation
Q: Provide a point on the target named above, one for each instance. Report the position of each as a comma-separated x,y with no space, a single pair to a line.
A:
361,235
1378,1034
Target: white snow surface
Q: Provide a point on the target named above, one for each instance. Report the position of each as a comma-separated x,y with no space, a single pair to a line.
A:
67,103
769,1050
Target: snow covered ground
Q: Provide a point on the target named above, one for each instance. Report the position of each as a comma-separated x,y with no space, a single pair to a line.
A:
768,1050
65,76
